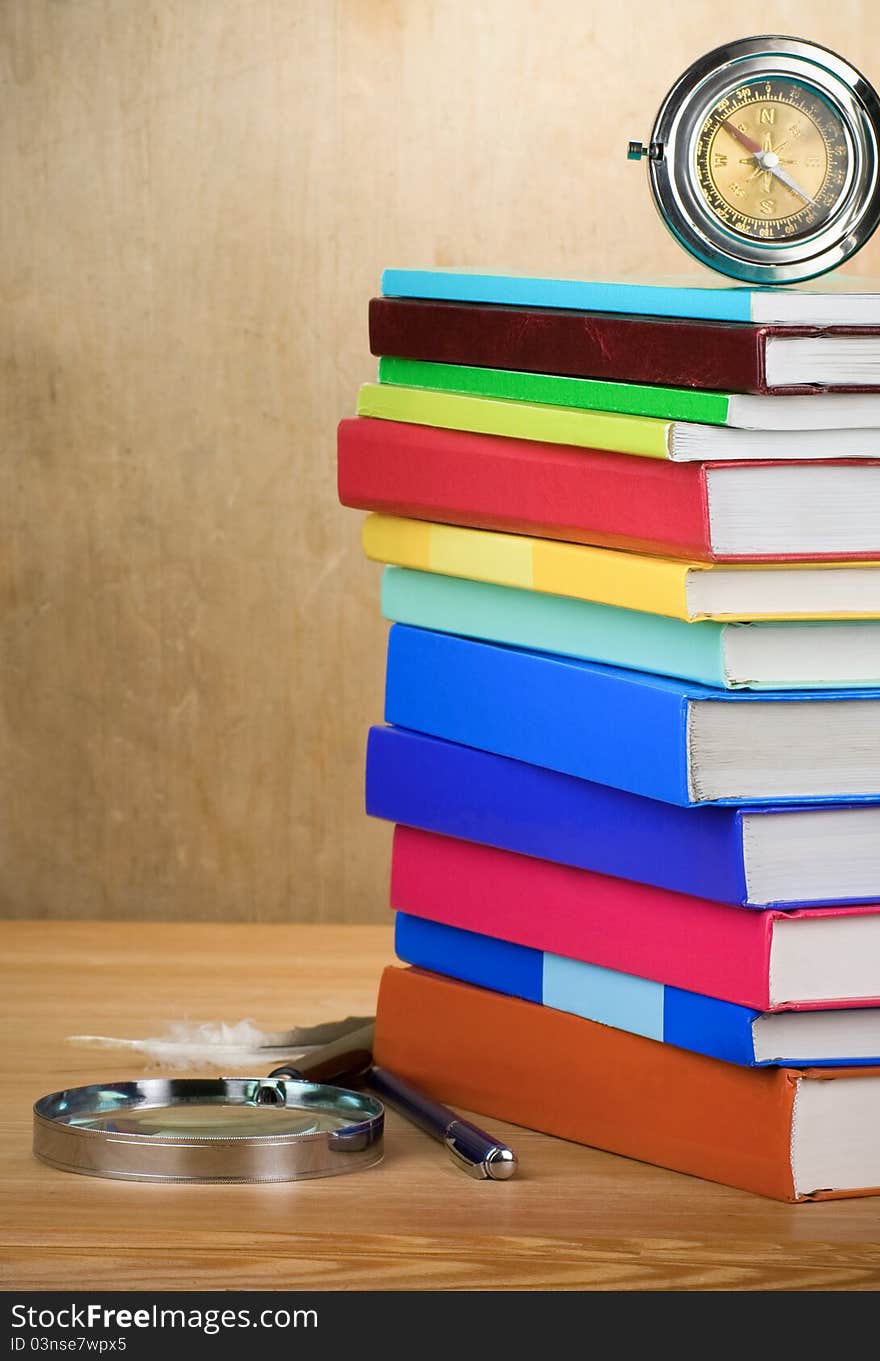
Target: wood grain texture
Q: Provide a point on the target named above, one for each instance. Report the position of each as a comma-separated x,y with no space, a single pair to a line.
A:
199,197
572,1218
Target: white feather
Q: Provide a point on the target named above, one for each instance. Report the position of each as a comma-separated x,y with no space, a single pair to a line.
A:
239,1046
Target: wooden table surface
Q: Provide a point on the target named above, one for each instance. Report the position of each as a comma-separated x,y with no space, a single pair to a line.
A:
573,1217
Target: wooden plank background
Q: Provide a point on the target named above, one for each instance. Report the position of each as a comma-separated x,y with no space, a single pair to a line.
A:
197,200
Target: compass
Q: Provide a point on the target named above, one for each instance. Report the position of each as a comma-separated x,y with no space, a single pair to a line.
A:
764,159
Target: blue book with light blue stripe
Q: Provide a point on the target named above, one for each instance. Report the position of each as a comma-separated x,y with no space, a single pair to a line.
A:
846,1037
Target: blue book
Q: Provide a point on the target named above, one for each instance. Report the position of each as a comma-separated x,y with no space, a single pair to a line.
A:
796,856
844,1037
724,656
838,300
667,739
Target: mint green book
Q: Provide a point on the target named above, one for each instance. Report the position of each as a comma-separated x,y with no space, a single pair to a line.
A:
766,656
818,411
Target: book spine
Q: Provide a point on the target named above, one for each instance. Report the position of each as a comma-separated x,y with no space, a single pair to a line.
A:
473,554
709,1025
642,1006
717,357
690,943
622,434
459,792
653,299
597,724
483,960
591,394
587,1082
628,580
553,491
556,624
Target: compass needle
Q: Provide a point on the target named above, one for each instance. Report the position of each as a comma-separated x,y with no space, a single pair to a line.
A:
787,180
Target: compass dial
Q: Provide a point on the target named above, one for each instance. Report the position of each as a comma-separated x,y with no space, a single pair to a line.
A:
773,160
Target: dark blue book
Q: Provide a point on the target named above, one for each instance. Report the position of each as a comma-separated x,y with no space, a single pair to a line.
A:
792,856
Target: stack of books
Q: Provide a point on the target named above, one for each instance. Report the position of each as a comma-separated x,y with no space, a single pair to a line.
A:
632,741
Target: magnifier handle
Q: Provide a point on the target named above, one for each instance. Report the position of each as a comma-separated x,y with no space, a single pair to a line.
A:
346,1057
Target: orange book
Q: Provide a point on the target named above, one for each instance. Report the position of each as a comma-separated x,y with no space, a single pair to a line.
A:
792,1134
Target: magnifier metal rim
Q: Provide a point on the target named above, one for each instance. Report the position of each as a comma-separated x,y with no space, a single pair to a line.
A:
291,1156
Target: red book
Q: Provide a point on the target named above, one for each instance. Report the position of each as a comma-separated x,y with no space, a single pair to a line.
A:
773,960
723,356
703,511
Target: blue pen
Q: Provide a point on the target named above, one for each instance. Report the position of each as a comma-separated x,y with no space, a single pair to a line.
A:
475,1151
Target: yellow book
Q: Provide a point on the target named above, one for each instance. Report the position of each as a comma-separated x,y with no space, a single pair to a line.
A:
607,430
736,593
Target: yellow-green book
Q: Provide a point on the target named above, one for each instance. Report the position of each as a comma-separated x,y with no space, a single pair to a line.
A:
615,432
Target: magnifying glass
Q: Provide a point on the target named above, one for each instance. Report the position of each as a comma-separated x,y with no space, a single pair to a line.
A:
289,1126
209,1130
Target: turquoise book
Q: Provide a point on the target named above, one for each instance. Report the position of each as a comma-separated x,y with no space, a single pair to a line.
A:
834,300
765,656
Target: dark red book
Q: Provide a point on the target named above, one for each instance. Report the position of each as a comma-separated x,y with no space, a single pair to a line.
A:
721,356
701,511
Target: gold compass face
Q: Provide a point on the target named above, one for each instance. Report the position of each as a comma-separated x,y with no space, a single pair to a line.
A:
772,160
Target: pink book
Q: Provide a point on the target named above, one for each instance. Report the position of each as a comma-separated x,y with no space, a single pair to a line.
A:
811,958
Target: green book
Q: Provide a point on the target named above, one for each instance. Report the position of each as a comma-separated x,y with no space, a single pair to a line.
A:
818,411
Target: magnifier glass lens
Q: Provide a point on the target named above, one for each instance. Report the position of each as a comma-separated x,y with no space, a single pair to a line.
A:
211,1121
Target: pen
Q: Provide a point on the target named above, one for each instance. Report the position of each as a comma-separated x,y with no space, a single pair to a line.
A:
475,1151
470,1147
